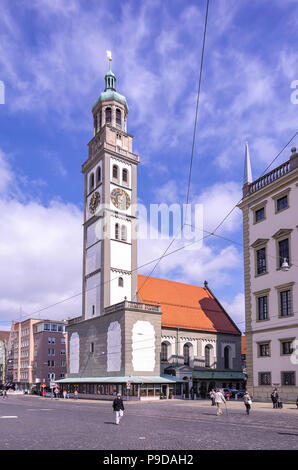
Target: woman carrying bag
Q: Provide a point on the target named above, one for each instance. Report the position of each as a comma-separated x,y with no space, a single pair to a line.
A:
247,402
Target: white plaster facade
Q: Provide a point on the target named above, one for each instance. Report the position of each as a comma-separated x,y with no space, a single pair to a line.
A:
114,345
274,327
143,346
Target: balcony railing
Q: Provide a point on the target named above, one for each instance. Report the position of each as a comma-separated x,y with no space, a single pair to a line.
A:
269,178
72,321
133,306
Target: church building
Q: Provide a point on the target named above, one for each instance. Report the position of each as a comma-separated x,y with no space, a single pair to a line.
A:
169,339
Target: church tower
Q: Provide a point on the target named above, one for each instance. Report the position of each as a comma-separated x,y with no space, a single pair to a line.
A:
110,197
116,336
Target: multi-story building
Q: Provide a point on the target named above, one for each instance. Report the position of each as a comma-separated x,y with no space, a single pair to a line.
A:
116,344
270,235
50,352
22,352
38,352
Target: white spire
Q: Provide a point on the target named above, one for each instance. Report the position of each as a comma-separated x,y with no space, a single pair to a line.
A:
247,166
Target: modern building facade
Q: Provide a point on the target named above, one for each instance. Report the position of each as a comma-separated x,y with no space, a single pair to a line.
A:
50,352
270,236
38,353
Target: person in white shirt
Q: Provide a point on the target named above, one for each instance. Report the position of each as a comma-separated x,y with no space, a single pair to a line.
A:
219,400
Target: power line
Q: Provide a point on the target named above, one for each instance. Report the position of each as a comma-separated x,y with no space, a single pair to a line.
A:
241,244
109,281
192,150
233,208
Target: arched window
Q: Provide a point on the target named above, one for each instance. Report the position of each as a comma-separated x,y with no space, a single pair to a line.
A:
108,115
120,282
118,117
98,175
227,357
164,352
95,124
91,182
207,356
115,171
125,175
123,233
117,231
186,354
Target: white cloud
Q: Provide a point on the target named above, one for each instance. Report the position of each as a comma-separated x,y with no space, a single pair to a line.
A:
6,176
41,252
236,310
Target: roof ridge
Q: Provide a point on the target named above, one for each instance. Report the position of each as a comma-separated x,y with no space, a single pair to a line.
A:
169,280
187,306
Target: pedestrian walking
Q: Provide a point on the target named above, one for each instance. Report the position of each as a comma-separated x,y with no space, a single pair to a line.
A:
64,394
274,398
76,394
247,402
4,393
118,407
67,394
219,400
212,397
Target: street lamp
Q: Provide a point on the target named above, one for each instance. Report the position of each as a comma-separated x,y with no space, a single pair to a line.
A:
285,265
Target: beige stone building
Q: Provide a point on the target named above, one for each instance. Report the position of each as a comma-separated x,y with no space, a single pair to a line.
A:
164,339
270,234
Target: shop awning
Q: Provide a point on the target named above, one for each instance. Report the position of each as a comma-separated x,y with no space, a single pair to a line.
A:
163,379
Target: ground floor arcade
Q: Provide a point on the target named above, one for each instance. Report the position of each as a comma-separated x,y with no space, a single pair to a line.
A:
131,388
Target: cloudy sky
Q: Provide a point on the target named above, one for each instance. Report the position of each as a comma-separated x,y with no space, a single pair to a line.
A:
52,65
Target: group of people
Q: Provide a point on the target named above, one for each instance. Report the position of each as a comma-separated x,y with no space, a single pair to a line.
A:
66,394
218,399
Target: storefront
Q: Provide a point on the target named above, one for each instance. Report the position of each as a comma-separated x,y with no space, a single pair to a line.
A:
205,380
131,388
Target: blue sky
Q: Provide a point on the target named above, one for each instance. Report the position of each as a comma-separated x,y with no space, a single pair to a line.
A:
53,62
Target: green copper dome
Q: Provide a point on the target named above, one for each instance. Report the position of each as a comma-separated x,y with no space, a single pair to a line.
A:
110,92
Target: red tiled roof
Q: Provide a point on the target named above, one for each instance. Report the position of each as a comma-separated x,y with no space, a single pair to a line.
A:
186,306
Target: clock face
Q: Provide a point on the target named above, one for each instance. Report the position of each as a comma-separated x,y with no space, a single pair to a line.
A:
94,202
120,199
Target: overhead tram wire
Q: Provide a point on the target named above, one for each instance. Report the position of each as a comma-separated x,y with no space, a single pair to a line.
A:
233,208
109,281
174,251
167,254
241,244
192,152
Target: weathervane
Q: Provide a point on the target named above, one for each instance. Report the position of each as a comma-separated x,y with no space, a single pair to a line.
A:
109,55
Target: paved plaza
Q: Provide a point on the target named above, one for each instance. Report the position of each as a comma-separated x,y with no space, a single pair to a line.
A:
30,422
